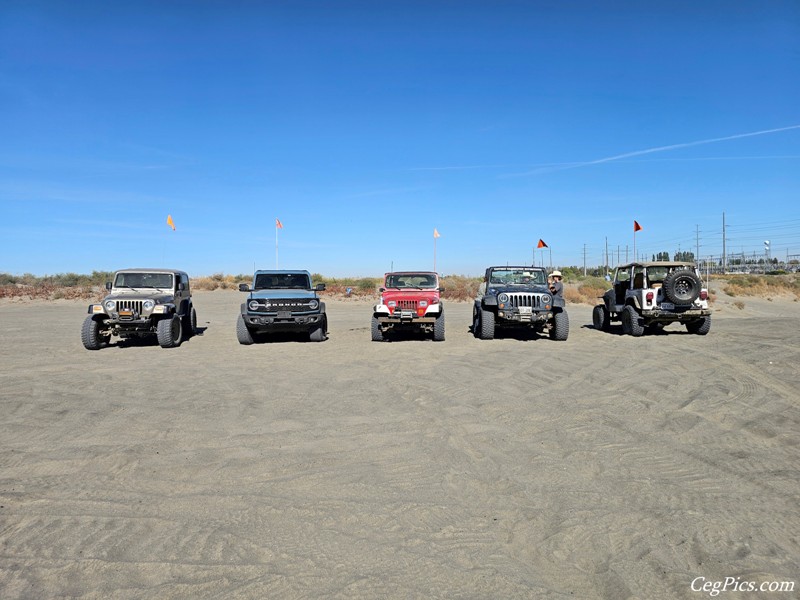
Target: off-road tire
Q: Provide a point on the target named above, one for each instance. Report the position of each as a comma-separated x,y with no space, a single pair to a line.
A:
700,327
317,334
559,330
682,287
243,334
631,322
190,324
600,318
377,332
438,328
90,334
487,325
170,332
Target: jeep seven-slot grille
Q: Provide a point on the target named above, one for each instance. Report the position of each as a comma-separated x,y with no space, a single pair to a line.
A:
532,300
287,304
407,304
134,305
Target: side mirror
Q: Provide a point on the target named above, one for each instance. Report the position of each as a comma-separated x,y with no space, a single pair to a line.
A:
108,285
181,286
381,289
442,290
320,287
243,287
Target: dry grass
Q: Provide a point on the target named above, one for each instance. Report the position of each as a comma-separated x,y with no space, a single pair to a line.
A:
739,304
761,285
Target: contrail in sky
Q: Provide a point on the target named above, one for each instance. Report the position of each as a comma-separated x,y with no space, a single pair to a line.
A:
660,149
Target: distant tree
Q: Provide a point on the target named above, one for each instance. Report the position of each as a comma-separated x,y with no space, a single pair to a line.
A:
684,256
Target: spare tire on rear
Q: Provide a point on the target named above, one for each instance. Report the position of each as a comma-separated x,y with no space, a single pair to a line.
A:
682,287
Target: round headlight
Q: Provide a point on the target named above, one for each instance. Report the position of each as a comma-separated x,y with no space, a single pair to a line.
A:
253,305
109,305
502,298
313,305
546,298
148,304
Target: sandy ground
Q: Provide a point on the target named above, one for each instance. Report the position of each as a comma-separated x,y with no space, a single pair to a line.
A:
600,467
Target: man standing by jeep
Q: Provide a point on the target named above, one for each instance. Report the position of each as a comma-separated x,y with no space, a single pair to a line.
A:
556,287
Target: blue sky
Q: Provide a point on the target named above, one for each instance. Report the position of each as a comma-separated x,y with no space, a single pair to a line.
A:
363,126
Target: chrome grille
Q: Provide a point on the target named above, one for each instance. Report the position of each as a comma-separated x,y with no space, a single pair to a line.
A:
532,300
134,305
407,304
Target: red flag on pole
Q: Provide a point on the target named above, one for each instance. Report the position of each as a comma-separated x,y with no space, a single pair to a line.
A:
541,244
636,226
278,224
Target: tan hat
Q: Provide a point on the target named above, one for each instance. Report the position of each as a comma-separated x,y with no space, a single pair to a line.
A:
555,274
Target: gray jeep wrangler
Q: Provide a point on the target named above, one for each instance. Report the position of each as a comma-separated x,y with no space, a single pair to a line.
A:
518,297
142,303
282,301
647,296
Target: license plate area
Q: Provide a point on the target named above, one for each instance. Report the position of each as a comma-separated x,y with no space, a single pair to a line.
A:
525,310
667,306
284,314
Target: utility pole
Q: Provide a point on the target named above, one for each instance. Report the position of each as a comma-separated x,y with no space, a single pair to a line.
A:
697,246
584,260
724,249
626,252
605,265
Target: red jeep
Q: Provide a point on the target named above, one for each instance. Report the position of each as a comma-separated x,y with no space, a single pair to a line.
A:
409,300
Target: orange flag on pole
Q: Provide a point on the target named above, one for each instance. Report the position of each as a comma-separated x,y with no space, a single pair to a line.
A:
278,224
170,222
435,233
636,227
541,244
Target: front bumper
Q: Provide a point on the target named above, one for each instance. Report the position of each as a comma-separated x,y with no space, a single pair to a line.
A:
514,315
283,323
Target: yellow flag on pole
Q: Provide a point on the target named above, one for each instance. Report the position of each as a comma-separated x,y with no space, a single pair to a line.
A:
170,222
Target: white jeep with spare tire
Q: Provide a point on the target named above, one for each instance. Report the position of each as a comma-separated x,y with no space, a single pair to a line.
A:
647,296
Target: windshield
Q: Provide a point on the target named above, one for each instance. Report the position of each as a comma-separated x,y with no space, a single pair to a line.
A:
411,280
282,281
143,280
517,277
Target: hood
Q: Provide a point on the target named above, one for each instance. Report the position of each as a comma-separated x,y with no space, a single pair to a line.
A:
160,297
516,289
283,294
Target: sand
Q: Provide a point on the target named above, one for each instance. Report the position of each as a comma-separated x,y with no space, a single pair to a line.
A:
600,467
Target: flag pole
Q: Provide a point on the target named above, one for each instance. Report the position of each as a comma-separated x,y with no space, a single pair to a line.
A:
276,245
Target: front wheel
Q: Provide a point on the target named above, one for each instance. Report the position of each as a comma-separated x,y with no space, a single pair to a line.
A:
90,334
600,317
376,331
438,328
487,325
170,332
243,334
318,334
559,330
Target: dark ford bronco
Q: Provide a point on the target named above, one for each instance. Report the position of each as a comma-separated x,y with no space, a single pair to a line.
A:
646,296
282,301
141,303
518,297
409,300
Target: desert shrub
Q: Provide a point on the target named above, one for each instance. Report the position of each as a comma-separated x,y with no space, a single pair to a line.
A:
739,304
